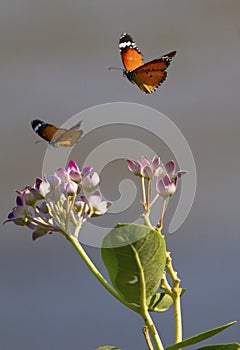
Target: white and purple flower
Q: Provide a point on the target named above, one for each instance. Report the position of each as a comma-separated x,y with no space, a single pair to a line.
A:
145,168
167,181
52,204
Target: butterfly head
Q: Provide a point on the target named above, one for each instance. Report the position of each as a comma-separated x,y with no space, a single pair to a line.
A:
129,75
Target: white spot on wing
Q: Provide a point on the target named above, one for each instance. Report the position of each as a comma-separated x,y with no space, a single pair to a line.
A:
38,127
126,44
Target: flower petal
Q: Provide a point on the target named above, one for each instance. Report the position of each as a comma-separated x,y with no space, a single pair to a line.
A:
39,233
38,182
181,173
63,174
75,176
54,181
148,172
170,167
160,187
19,200
72,166
44,188
156,162
90,182
134,167
69,188
144,161
86,170
98,206
172,189
166,180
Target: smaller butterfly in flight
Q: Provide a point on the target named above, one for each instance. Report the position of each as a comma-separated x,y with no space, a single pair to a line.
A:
149,76
57,136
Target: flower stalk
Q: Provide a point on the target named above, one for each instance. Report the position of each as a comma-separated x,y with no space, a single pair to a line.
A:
160,223
175,293
144,308
147,338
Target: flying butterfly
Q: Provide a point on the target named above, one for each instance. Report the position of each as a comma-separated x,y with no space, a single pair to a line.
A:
57,136
149,76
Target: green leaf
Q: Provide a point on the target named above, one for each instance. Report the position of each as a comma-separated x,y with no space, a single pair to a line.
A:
199,337
229,346
108,347
161,302
130,251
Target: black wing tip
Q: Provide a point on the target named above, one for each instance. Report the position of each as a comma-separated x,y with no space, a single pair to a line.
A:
78,124
127,38
36,122
127,42
170,55
125,35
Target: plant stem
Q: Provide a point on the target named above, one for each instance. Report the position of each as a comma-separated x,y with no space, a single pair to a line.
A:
178,319
144,309
148,340
176,294
96,273
146,219
155,337
160,224
143,193
148,194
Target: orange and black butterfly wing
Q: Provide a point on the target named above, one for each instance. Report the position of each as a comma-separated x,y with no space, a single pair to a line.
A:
151,75
44,130
56,136
67,138
130,54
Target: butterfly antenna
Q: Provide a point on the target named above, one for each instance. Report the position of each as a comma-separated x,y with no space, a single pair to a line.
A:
109,68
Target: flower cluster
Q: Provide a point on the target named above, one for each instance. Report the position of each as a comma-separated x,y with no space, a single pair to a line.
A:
60,203
166,175
166,178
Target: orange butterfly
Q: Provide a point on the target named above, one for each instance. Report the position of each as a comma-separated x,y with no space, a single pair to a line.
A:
148,76
56,136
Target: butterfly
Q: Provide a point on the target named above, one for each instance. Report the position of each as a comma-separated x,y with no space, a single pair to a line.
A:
149,76
57,136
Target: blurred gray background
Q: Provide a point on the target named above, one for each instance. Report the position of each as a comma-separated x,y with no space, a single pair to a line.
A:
54,60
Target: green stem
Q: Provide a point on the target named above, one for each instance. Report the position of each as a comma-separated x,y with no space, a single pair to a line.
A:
144,309
146,219
68,213
148,194
143,192
96,273
160,224
178,319
147,338
155,337
176,294
77,229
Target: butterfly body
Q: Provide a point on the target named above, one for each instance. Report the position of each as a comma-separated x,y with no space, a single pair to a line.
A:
57,136
149,76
